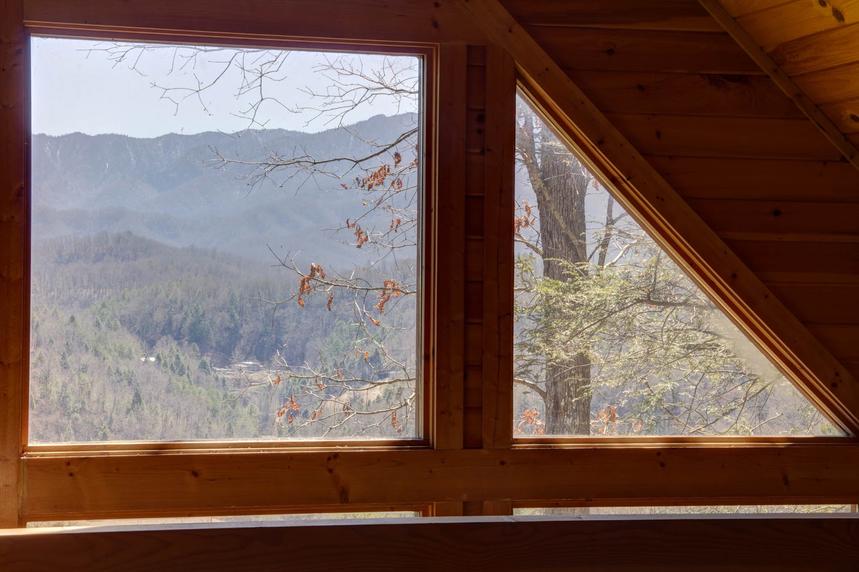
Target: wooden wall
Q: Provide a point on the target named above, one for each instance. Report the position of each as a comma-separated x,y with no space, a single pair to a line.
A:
686,96
727,139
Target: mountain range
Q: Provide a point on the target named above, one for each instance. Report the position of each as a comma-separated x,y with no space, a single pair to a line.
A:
174,189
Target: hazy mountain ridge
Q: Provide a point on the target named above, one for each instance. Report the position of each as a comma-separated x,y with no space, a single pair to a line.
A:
171,188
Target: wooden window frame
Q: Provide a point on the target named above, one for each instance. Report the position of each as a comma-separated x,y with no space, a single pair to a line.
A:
468,464
427,222
678,249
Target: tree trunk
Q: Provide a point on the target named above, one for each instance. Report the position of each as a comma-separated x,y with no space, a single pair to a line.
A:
561,202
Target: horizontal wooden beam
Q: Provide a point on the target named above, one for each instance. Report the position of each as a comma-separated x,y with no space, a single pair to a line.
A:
364,20
135,484
489,543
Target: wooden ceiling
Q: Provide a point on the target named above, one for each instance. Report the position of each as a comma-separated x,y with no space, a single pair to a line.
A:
816,42
726,137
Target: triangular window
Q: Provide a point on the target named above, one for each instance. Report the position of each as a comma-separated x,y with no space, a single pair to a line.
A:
611,336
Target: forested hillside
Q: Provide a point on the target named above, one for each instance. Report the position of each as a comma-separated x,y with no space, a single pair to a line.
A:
135,339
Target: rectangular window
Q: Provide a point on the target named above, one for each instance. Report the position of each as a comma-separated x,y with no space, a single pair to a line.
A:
226,243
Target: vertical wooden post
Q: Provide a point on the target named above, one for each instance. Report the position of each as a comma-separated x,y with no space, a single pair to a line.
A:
449,234
498,257
13,270
446,508
502,507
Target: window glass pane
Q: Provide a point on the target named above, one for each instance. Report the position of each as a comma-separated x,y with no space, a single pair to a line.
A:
701,509
225,243
611,337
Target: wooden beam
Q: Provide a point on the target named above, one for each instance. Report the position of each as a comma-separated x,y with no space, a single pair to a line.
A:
13,223
491,543
673,223
137,484
499,179
782,80
343,20
449,324
673,15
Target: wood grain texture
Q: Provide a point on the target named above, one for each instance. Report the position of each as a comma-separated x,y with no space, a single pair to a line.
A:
86,486
821,303
820,51
636,50
841,338
844,114
475,230
680,230
343,20
685,94
449,229
761,218
830,85
797,19
743,7
825,258
498,253
13,230
676,15
698,136
494,543
757,179
756,48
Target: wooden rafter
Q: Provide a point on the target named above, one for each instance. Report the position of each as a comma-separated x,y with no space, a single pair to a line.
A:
782,80
673,222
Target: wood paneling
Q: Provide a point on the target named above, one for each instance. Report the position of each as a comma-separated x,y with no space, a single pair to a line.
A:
635,50
756,179
685,94
821,303
626,14
831,85
813,46
697,136
798,19
821,51
845,115
548,59
762,218
821,544
476,338
133,485
743,7
712,127
400,21
783,80
791,256
498,252
13,269
450,239
841,338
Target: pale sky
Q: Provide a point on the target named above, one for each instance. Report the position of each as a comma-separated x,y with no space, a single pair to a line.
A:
75,90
